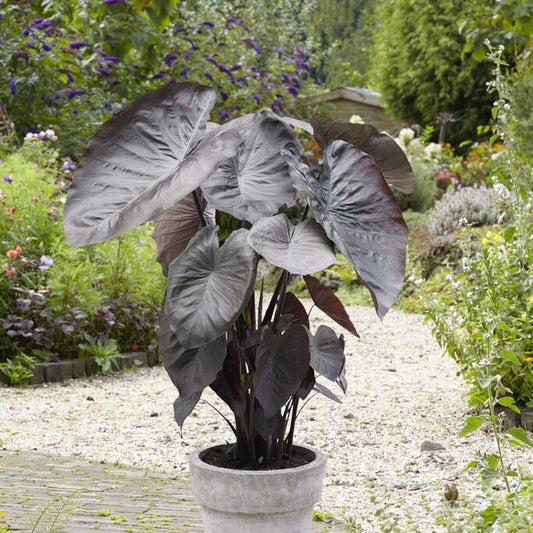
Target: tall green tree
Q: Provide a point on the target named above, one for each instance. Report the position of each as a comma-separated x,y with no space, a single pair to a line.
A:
341,33
420,67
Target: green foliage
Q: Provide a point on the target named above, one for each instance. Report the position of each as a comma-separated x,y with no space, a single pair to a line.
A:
420,69
71,64
50,294
18,369
500,512
341,31
504,22
105,353
489,330
491,320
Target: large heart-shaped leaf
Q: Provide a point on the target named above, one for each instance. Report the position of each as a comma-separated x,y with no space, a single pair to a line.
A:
327,352
146,158
355,206
176,226
209,287
256,181
282,363
385,151
326,300
300,249
190,370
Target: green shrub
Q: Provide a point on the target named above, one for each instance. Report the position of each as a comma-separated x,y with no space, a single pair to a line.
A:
490,321
70,64
51,295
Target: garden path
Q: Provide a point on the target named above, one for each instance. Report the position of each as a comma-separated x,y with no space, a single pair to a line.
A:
45,493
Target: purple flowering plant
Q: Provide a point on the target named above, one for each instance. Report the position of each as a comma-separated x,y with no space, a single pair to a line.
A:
56,68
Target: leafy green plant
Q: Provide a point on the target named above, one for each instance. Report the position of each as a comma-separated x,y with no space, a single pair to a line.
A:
51,294
489,330
69,64
261,360
18,369
106,353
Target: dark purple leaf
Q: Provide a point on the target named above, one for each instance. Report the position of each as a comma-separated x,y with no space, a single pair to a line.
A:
307,385
190,370
176,226
293,306
268,427
184,406
147,157
228,384
355,206
326,300
282,362
385,151
255,182
209,287
300,249
327,352
326,392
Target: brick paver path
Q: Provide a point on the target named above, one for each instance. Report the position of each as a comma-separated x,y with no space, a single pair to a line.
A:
49,494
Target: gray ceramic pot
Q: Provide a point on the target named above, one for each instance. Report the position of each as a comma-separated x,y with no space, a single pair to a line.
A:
257,501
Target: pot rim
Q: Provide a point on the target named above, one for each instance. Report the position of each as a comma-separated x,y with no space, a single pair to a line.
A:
318,462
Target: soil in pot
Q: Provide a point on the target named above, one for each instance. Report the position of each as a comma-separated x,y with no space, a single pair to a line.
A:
223,457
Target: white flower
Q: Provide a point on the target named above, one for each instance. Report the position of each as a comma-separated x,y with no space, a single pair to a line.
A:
50,133
406,134
356,119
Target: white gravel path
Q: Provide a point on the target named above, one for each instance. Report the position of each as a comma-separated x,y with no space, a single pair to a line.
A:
401,391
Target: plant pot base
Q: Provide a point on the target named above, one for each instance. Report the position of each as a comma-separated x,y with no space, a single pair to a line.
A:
257,501
222,522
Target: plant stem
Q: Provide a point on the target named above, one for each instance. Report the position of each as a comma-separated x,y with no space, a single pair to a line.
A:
251,431
199,208
293,423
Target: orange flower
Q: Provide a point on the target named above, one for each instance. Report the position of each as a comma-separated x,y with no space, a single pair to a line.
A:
11,254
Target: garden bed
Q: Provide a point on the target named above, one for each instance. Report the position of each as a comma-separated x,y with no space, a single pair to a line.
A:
77,368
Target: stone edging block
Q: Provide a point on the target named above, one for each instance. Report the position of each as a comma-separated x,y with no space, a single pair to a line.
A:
77,368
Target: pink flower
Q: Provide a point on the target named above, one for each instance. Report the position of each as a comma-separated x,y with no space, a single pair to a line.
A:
36,199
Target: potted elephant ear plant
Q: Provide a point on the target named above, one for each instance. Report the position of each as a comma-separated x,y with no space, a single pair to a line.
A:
160,159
